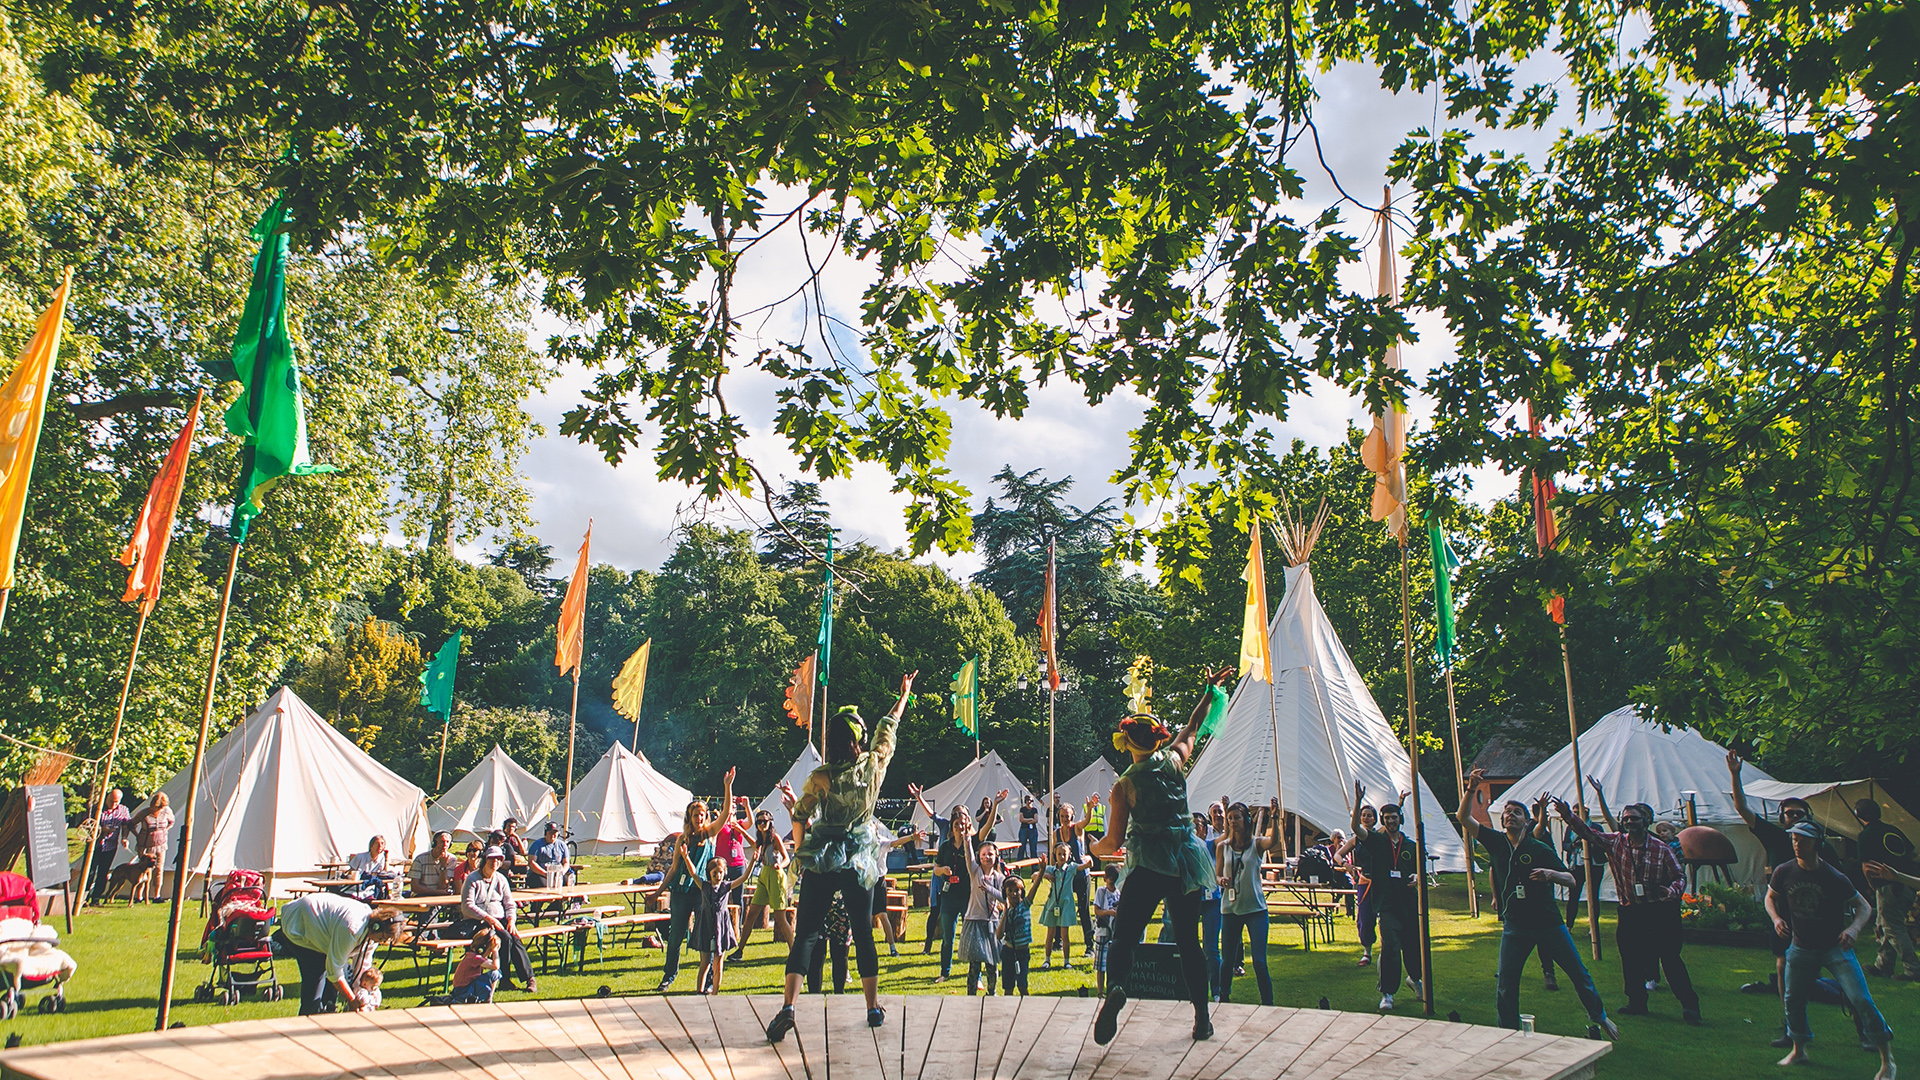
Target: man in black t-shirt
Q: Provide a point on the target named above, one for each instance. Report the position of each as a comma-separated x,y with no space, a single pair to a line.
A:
1893,899
1779,848
1525,871
1810,900
1389,859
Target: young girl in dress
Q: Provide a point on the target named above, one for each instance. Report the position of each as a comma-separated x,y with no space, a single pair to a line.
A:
979,938
1057,914
713,933
771,889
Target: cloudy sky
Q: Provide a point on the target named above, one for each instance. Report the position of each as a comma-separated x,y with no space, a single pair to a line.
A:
635,514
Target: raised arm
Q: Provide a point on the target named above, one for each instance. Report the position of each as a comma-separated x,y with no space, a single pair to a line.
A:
1540,829
1578,825
1739,792
1359,800
1463,815
992,818
920,797
1272,839
1600,796
887,729
1119,807
1182,745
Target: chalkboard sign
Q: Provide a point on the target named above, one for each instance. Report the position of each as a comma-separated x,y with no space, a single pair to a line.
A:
47,835
1157,974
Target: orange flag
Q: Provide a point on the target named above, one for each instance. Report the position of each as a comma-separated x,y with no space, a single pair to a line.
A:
1050,625
23,405
573,612
799,701
1384,451
146,554
1546,531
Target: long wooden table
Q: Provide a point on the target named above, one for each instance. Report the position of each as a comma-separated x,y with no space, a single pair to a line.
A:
694,1037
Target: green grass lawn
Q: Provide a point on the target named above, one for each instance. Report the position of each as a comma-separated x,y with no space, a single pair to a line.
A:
118,951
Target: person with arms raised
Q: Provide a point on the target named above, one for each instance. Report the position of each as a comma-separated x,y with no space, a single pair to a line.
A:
1648,882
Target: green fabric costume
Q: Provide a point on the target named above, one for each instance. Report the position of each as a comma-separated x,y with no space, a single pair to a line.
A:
1159,830
836,805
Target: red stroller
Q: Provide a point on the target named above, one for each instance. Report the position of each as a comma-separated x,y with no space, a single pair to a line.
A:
30,957
238,935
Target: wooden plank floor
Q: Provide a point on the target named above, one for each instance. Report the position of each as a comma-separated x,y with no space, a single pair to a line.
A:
932,1037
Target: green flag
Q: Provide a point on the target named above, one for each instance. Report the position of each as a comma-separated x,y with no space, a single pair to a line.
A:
1445,562
268,414
966,698
823,644
436,683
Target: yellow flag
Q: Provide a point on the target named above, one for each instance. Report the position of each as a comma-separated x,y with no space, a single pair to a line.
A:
23,404
1256,648
631,684
573,613
1385,448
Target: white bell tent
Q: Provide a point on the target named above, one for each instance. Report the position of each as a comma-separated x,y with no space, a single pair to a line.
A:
624,805
1832,803
1637,760
284,792
982,779
1328,729
497,789
797,774
1095,780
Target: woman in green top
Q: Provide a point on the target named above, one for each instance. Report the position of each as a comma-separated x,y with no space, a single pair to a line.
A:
1165,860
839,850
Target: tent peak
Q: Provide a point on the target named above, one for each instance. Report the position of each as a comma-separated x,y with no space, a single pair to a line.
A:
1297,536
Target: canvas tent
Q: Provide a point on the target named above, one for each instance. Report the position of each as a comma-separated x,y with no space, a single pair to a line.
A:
1832,804
285,791
623,805
1096,779
497,789
797,774
982,779
1329,729
1637,760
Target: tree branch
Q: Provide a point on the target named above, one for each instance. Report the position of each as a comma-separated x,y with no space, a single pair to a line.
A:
130,401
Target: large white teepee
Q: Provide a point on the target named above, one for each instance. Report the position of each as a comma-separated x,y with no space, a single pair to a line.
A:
1096,780
623,804
497,789
802,767
284,791
1329,730
982,779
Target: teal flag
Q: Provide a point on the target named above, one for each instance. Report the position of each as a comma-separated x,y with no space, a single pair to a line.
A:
824,643
436,683
268,414
1445,562
966,698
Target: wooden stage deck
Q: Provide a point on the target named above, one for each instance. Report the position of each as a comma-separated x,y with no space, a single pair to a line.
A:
722,1038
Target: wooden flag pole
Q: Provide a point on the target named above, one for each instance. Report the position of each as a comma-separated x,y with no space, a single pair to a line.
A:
573,719
1460,780
440,775
1279,789
1580,799
106,767
4,593
1413,760
193,790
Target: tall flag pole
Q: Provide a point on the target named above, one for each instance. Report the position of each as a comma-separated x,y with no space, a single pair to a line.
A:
823,645
630,686
271,419
1256,648
966,701
1445,562
568,638
23,408
1546,536
436,696
1049,644
146,558
1384,454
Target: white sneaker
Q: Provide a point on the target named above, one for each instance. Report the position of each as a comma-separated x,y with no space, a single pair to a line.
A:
1418,990
1386,1002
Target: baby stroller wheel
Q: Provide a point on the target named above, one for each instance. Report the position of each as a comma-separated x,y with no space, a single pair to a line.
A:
275,993
7,1008
49,1005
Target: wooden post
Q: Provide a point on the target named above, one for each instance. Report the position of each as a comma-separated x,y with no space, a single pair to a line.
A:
1460,779
4,593
1580,799
573,719
193,790
1279,789
1413,761
106,767
440,774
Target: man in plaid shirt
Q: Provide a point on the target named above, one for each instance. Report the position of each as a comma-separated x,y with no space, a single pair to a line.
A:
1647,879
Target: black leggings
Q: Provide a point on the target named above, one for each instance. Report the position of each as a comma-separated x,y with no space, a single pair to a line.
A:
1140,895
817,892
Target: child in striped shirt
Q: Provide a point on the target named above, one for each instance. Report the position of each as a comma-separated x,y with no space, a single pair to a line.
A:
1016,936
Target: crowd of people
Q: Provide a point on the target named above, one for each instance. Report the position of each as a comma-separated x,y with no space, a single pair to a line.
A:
1108,870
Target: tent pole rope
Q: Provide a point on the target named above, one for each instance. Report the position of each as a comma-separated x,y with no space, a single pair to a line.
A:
1413,762
193,790
99,800
1580,798
1279,788
1460,782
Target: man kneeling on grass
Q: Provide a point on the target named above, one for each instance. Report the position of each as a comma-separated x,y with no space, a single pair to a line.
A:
1817,895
